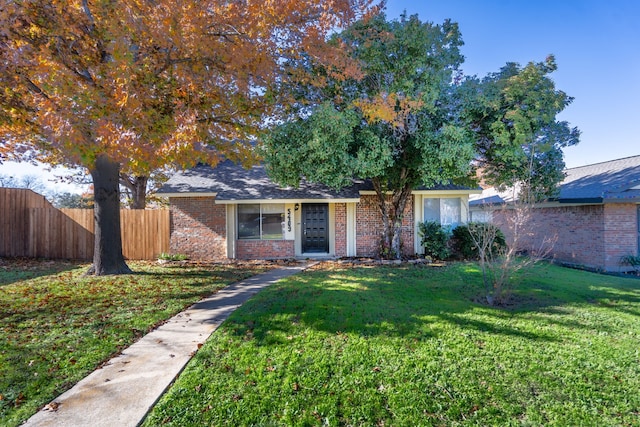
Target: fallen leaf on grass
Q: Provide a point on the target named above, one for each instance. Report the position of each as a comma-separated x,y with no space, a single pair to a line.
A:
19,400
53,406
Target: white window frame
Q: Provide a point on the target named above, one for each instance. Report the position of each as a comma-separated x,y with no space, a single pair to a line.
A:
440,207
260,216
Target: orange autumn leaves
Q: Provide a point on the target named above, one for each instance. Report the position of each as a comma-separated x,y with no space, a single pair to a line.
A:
390,108
154,83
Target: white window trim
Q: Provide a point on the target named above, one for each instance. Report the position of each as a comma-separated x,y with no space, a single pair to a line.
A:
237,231
418,209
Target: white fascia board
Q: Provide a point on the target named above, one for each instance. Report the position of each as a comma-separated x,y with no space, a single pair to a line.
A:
253,201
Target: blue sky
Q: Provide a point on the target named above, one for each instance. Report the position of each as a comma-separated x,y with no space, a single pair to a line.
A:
596,45
597,49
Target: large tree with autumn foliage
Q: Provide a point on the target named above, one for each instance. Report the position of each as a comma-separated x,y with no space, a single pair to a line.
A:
111,84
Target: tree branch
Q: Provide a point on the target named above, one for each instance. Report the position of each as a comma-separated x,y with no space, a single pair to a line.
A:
87,11
233,31
35,88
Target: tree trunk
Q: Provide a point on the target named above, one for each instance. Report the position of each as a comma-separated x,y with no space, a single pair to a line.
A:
137,186
107,253
391,208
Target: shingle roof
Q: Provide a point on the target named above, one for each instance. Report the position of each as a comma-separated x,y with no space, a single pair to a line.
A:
233,182
615,180
612,180
230,181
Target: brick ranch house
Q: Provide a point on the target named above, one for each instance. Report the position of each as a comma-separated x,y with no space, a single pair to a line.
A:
596,216
229,212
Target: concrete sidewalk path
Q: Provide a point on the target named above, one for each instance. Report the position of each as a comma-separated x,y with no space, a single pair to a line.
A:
126,388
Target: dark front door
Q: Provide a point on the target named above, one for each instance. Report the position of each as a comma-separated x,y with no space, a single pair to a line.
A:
315,228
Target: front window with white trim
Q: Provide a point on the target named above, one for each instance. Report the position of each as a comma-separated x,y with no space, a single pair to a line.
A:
261,221
446,211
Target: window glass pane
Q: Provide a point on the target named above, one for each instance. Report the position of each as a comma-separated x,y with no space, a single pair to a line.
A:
248,221
431,211
272,208
450,211
272,221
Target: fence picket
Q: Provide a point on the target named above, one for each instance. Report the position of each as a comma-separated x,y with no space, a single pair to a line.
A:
30,226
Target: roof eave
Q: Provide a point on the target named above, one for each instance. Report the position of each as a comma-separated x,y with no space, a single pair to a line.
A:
581,200
292,200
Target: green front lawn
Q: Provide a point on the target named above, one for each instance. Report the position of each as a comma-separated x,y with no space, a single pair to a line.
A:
413,345
57,326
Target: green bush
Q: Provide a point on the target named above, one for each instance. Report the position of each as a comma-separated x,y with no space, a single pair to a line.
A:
434,239
632,261
172,257
464,246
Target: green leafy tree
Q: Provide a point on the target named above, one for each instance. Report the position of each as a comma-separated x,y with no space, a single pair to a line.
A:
519,140
72,200
411,118
395,124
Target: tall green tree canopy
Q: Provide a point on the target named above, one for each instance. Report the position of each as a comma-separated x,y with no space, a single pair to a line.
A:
411,118
518,138
393,124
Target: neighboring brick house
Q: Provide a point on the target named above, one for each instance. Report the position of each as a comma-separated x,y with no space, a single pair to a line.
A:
229,212
595,216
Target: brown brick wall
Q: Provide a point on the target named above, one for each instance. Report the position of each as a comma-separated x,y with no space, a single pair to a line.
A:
595,236
341,229
265,249
620,233
369,227
198,228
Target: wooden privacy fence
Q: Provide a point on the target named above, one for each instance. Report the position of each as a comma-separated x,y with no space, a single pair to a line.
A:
30,226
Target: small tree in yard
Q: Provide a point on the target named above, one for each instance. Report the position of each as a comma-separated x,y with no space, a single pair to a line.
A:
501,264
464,245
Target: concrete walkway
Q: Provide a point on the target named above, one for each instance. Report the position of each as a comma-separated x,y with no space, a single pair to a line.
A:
126,388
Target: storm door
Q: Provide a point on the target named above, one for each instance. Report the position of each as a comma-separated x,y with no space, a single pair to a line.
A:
315,228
